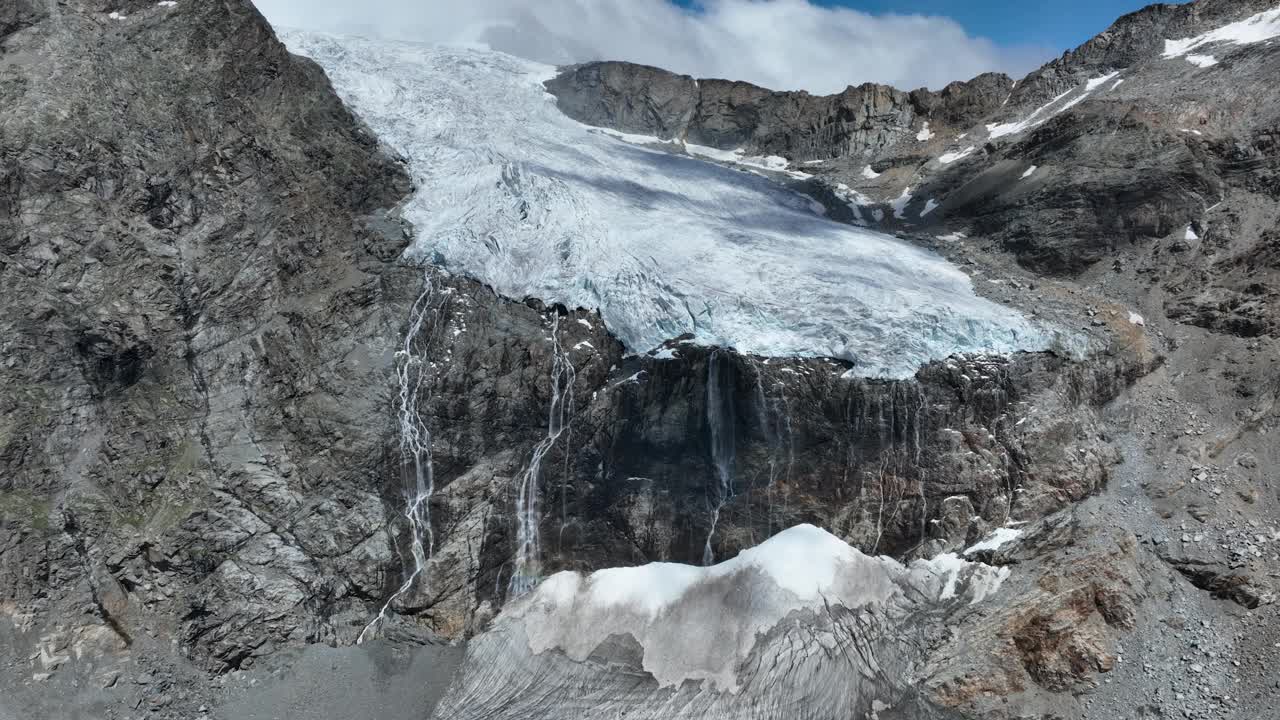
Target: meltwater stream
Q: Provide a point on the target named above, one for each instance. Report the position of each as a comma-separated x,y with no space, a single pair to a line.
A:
528,560
720,427
413,379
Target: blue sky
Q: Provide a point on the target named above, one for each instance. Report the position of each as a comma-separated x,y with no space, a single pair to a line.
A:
1039,23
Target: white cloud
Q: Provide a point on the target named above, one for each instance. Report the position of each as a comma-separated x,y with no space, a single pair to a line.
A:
780,44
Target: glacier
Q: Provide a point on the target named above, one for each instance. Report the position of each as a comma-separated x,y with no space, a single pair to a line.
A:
515,194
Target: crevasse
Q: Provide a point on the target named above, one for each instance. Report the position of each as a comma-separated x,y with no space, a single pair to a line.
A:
517,195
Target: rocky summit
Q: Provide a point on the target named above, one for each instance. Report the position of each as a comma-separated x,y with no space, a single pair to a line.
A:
351,378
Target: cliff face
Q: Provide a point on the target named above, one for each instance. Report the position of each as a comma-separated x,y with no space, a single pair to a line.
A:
725,114
197,305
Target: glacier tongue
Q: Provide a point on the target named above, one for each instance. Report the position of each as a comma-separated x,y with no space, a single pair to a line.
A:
517,195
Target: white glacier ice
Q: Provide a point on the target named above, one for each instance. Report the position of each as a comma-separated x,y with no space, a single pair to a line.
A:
512,192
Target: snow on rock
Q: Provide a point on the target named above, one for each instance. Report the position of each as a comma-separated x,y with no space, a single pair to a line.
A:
994,540
1097,82
512,192
1203,61
1049,110
899,203
1117,84
666,353
1254,29
925,133
1136,319
929,206
948,158
1028,172
869,174
772,163
953,236
1190,234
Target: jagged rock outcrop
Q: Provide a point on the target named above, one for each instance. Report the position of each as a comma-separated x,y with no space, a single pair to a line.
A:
861,121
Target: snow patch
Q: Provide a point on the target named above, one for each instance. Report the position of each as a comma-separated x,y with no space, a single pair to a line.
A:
925,133
1203,61
929,206
666,353
1136,319
1190,234
869,174
1253,29
1093,84
994,540
899,203
953,236
1049,110
948,158
115,15
1027,173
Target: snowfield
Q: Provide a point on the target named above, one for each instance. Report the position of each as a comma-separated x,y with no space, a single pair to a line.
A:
517,195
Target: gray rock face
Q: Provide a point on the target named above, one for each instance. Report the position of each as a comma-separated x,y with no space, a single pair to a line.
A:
863,120
194,414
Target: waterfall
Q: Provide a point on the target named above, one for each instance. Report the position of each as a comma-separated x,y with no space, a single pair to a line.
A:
528,559
774,418
412,375
720,425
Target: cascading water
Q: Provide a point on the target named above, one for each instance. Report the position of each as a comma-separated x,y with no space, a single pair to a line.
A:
720,422
413,375
528,560
774,418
